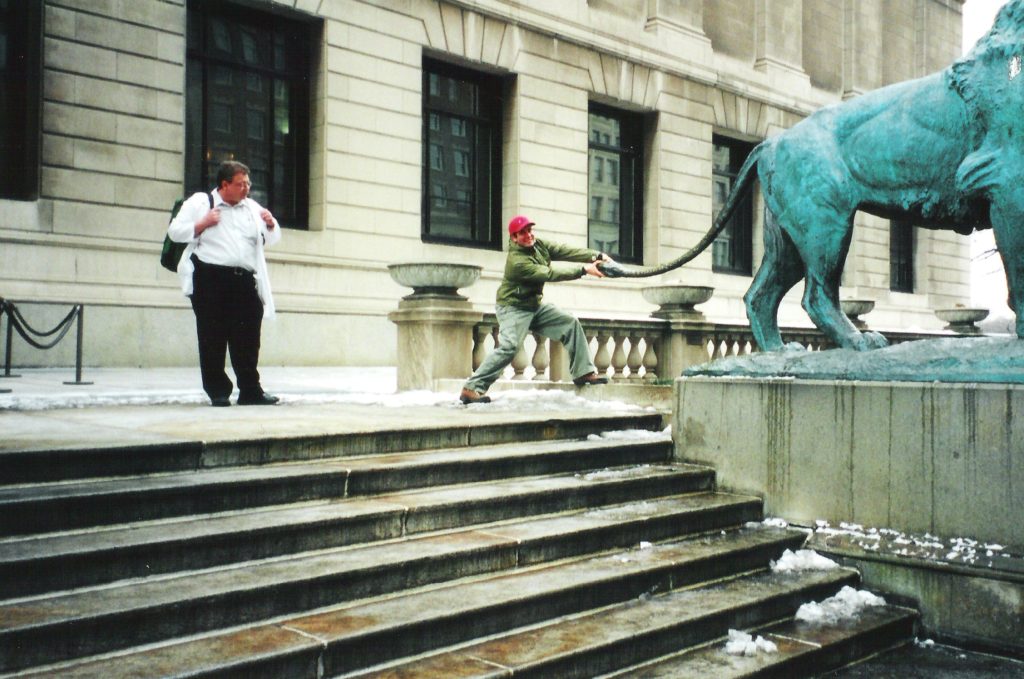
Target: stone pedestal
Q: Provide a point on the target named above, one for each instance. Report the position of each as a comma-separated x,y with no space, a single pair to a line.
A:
435,339
684,344
922,457
435,323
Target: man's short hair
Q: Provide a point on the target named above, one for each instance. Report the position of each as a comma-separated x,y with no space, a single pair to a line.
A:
228,169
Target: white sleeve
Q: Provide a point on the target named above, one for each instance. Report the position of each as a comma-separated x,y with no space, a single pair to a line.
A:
182,228
270,236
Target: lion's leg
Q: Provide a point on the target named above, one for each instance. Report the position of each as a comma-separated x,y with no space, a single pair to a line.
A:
824,256
1007,214
779,271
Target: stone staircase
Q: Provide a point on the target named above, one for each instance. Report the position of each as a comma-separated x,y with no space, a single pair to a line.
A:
520,550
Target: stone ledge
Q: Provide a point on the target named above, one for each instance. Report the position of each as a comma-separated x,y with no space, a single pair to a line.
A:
976,605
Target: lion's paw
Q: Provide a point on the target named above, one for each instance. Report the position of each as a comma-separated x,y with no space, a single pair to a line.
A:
866,341
875,340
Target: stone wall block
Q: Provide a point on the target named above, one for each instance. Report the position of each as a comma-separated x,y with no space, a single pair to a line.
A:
154,134
79,122
149,72
78,185
77,58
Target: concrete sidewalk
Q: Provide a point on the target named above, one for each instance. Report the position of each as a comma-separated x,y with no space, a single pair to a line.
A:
146,406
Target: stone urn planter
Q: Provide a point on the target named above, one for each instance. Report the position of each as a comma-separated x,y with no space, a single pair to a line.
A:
437,279
855,308
435,323
676,300
962,320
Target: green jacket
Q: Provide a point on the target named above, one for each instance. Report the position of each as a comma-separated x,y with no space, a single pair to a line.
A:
528,269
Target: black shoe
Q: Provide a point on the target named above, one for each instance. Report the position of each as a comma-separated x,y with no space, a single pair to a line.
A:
592,378
469,396
261,399
220,402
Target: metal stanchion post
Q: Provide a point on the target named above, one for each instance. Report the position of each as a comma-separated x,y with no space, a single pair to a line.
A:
7,351
78,348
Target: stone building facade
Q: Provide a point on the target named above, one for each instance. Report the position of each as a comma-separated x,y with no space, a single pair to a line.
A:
383,131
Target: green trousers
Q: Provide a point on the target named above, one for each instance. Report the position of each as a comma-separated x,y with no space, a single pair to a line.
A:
513,325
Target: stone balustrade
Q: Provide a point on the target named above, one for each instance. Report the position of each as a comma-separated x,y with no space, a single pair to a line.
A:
644,350
441,336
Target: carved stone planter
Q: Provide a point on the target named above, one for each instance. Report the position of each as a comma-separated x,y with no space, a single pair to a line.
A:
855,308
962,321
677,301
435,323
434,278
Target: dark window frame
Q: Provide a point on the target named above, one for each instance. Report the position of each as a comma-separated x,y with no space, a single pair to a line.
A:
21,74
732,251
485,159
629,181
902,241
288,195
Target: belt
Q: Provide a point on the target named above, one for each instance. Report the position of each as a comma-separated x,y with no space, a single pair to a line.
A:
233,270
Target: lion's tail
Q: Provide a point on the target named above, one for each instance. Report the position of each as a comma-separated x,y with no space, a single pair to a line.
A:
743,182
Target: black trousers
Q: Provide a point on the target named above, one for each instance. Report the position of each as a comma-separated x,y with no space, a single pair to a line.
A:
229,317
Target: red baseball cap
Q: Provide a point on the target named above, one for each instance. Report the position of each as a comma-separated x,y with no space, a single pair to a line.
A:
519,223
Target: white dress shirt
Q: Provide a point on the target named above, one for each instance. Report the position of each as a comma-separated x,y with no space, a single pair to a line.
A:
237,240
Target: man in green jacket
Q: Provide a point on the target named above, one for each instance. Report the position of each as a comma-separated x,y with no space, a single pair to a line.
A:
520,310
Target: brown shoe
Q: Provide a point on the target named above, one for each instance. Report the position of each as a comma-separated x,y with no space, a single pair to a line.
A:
469,396
592,378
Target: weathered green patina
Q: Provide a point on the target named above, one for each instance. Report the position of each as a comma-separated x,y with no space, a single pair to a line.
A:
945,151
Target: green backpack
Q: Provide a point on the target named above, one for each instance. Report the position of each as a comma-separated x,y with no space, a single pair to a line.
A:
172,252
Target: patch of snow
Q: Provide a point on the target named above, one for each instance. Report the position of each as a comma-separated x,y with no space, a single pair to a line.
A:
623,512
645,545
775,522
609,474
630,435
924,643
741,643
41,389
845,605
802,560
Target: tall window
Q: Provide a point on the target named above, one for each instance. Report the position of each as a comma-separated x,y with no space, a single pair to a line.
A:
901,256
247,99
20,39
731,251
615,224
462,155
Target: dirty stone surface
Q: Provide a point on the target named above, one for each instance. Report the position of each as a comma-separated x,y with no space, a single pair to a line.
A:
927,661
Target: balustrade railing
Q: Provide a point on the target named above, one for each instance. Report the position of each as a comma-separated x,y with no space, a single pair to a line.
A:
634,351
441,336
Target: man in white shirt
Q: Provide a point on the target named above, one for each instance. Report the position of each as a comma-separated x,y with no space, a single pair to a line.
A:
223,272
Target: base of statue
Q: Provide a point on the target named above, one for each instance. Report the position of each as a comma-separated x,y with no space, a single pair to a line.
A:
919,456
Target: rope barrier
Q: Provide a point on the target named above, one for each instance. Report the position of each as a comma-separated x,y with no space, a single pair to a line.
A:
16,322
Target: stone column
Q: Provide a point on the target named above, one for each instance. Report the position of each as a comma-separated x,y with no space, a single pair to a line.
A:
862,31
778,42
673,19
684,341
435,324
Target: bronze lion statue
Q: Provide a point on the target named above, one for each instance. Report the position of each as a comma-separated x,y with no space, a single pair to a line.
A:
945,151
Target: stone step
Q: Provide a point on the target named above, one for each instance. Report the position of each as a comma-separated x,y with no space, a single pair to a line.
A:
622,635
365,633
65,561
105,618
804,650
46,507
43,465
